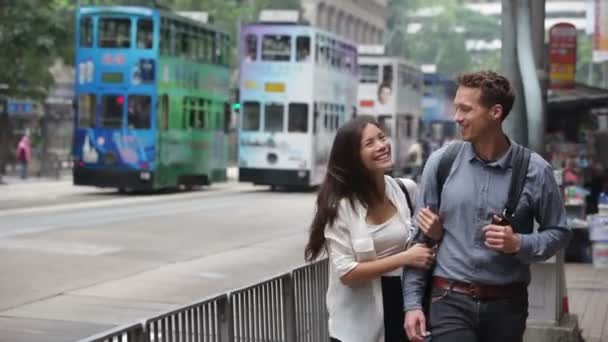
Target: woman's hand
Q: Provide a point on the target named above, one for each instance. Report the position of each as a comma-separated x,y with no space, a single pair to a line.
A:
430,224
419,256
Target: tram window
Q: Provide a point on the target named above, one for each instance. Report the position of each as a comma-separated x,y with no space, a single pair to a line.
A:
86,32
251,116
165,38
368,73
276,48
317,49
193,118
139,112
227,118
114,33
227,50
315,123
409,126
145,30
386,123
164,112
86,110
200,46
303,49
111,111
387,74
298,117
217,49
273,117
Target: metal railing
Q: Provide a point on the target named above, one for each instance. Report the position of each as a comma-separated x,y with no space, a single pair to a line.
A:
286,308
129,333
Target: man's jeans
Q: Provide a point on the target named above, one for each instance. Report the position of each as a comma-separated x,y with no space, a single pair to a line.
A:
459,317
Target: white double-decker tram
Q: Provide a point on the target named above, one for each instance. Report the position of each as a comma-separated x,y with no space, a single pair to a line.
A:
298,84
390,89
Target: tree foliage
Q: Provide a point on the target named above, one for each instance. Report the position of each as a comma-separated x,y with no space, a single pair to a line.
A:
32,35
442,34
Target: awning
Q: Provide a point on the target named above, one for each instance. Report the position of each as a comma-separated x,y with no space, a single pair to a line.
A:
580,96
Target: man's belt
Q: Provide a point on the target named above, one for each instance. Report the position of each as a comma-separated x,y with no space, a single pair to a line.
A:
480,291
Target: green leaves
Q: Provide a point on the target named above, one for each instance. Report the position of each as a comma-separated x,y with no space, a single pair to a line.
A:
443,29
33,35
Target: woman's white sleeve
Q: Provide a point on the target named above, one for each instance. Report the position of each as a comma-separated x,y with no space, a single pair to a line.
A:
341,252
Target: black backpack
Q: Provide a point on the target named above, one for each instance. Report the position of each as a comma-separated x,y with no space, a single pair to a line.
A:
519,163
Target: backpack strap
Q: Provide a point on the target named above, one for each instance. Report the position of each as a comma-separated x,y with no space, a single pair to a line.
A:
407,196
520,160
445,166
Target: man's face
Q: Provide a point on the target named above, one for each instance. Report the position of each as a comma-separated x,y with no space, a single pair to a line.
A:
475,120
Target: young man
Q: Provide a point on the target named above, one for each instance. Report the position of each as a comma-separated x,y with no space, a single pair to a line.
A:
479,284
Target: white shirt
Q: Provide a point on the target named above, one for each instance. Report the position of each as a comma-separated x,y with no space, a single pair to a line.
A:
356,312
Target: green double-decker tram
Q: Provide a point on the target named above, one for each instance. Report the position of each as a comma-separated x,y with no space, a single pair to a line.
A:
153,92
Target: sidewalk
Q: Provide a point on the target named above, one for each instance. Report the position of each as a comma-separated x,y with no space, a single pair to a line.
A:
588,299
13,180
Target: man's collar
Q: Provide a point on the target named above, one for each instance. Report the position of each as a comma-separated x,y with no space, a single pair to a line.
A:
504,162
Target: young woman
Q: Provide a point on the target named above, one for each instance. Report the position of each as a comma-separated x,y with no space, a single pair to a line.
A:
364,223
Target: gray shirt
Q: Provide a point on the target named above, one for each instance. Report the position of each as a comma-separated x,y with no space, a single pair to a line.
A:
472,193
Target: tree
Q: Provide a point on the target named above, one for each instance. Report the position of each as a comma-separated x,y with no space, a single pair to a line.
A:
33,34
442,34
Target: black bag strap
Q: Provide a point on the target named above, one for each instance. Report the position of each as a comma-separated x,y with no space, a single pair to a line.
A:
520,160
407,196
445,165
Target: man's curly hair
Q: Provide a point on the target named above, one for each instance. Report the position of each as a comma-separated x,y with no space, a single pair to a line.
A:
495,89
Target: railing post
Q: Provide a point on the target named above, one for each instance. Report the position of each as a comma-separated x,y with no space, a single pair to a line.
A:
290,308
226,321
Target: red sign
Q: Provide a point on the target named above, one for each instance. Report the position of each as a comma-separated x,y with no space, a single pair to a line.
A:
562,52
118,59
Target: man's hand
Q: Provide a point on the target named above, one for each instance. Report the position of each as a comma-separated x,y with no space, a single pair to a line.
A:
429,223
415,326
501,238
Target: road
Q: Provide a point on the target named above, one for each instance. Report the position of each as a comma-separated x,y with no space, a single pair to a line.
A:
77,261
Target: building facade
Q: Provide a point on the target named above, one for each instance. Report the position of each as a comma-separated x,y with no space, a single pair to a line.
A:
361,21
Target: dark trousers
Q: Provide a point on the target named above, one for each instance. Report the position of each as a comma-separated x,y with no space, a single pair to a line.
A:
392,300
459,317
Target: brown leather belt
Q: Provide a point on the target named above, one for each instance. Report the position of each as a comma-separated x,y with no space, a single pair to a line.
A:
480,291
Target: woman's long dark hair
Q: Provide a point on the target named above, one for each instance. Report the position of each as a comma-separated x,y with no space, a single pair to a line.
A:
347,178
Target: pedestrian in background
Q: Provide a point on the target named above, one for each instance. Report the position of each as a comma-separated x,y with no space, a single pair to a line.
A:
479,284
24,153
364,223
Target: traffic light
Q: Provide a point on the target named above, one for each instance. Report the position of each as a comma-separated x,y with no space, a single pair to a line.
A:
236,106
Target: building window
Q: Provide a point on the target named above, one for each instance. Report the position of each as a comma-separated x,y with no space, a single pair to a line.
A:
87,104
276,48
114,33
251,116
86,32
111,111
139,111
298,118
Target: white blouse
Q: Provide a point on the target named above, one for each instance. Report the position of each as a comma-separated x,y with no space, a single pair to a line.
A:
356,312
